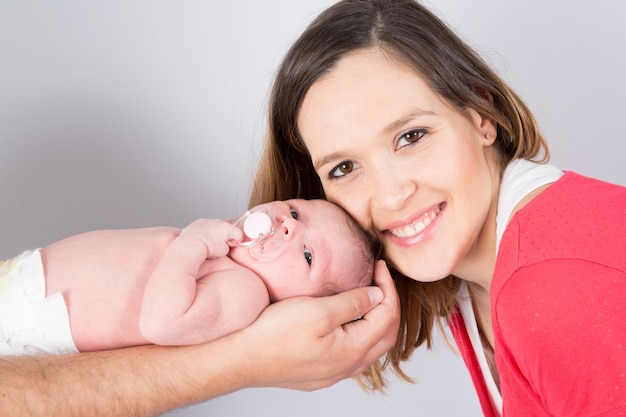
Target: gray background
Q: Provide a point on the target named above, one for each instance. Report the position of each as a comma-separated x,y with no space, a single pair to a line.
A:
117,114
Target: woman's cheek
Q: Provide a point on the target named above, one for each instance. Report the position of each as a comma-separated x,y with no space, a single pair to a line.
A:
358,210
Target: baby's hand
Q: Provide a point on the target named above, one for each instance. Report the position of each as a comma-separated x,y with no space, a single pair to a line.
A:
215,234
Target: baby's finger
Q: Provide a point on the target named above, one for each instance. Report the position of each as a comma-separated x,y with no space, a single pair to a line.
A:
234,236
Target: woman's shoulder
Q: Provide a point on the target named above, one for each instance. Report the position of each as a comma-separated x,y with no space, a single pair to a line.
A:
573,203
581,187
578,218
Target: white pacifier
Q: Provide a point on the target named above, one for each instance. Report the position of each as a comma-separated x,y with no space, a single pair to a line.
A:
261,233
257,225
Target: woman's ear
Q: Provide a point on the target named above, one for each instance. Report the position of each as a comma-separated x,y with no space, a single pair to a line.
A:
485,127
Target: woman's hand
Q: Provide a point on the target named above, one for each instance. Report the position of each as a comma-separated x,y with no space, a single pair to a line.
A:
309,343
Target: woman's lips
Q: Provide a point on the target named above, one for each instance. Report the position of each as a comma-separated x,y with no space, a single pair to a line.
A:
418,225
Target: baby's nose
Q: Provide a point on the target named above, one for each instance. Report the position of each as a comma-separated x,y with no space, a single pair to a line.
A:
290,226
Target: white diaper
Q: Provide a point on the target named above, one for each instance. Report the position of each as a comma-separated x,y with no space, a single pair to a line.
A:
30,322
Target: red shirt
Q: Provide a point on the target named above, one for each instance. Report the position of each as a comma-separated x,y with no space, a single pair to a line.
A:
558,299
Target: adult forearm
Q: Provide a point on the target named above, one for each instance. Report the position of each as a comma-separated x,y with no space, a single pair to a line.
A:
142,381
300,343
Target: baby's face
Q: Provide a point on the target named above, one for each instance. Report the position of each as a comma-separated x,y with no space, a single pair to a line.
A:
315,240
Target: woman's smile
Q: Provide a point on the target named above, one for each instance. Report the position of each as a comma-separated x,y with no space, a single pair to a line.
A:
398,157
417,225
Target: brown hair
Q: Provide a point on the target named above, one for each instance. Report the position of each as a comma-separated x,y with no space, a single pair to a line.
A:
410,32
367,249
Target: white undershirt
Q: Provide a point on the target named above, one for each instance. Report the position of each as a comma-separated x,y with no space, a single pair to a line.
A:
520,178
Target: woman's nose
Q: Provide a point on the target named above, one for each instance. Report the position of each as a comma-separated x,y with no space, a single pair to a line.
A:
392,190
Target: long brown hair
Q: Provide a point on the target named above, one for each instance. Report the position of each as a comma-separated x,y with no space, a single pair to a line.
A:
409,32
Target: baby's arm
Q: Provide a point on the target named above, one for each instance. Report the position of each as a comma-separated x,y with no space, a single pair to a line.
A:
195,293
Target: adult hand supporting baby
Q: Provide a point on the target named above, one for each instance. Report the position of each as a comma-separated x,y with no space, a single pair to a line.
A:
300,343
311,343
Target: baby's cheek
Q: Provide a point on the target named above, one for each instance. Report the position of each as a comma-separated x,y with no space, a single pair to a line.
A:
236,254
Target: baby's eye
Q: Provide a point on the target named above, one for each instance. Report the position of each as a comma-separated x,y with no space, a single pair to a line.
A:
308,256
410,137
294,213
344,168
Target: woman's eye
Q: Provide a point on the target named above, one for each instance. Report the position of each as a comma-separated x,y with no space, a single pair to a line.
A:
293,213
410,137
308,256
342,169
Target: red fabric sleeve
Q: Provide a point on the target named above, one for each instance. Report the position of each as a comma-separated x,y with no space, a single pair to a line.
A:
561,330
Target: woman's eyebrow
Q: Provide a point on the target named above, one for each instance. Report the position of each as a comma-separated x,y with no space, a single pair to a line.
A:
389,129
327,159
397,124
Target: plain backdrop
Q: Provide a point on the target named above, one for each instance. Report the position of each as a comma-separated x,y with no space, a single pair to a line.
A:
117,114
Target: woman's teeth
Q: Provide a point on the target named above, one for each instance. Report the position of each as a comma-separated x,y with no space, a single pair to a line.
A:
417,226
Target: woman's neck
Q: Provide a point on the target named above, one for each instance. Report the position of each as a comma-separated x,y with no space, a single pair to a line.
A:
478,264
478,267
482,310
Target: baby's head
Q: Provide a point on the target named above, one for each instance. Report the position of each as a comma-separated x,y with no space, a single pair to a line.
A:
323,251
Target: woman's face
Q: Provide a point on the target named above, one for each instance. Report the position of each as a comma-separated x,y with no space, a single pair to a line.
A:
408,166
